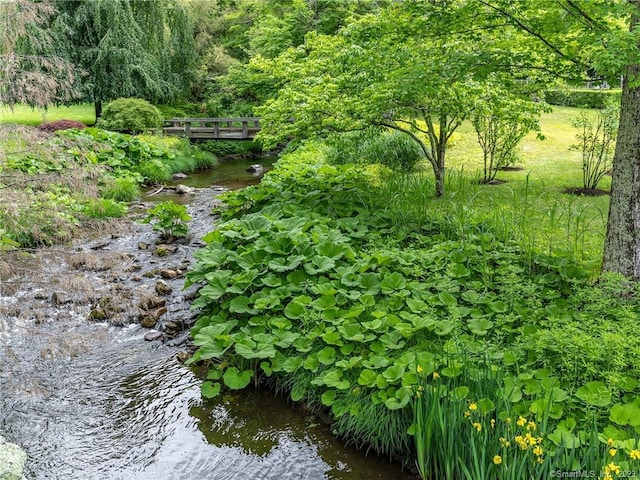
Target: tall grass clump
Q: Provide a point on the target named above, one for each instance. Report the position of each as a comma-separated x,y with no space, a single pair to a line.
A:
391,149
539,221
204,160
191,160
120,189
104,208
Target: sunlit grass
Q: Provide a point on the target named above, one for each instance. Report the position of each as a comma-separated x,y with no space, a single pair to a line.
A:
531,205
25,115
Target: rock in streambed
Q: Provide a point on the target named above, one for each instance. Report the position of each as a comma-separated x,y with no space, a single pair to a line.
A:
12,461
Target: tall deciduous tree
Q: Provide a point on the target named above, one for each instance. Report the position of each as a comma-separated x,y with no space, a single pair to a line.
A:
128,48
229,33
31,72
415,67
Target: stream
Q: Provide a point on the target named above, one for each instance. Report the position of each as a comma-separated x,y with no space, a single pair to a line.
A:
91,394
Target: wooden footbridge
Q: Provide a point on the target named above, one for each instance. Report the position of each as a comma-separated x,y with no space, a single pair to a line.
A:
242,128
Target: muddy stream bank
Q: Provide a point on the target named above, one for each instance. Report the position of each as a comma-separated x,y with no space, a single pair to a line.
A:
90,393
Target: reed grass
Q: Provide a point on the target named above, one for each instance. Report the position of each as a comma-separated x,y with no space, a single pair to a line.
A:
459,435
123,189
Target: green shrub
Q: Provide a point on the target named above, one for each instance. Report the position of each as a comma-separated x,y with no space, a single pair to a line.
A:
169,219
121,189
222,148
391,149
130,115
596,142
104,208
582,98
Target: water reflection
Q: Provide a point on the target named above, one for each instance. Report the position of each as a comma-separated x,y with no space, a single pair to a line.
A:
282,442
228,175
127,409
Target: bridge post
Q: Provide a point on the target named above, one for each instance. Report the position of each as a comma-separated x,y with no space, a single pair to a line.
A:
187,129
245,129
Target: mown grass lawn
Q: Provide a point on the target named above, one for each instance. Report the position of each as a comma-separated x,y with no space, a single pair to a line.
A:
25,115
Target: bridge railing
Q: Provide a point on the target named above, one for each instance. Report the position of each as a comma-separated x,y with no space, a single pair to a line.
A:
241,128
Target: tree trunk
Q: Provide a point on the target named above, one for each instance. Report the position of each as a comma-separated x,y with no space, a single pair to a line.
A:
439,172
98,109
439,182
622,243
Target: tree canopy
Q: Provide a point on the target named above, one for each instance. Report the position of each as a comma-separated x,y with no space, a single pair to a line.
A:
127,48
402,69
31,71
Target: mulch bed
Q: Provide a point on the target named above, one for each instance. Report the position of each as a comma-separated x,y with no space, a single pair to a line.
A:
492,182
511,169
589,192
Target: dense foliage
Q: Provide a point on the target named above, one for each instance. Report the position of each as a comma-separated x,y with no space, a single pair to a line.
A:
130,115
582,98
147,159
391,149
312,285
228,34
52,185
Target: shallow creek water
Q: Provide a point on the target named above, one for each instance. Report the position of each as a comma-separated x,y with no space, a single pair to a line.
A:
94,400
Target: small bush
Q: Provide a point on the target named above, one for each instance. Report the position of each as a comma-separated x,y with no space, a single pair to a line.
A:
169,219
104,208
52,127
131,115
582,98
596,141
392,149
122,189
230,147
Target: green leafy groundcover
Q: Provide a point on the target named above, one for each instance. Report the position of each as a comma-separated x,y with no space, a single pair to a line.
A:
308,284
